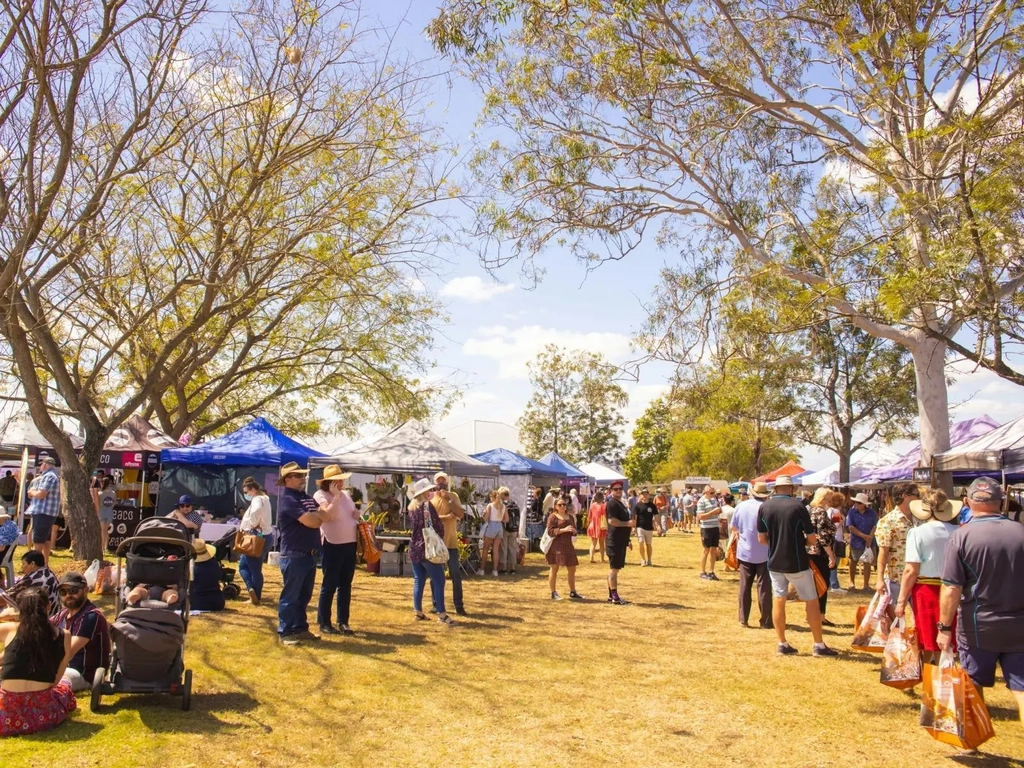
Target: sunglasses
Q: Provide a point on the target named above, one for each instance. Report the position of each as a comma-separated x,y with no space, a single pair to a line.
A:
64,591
560,504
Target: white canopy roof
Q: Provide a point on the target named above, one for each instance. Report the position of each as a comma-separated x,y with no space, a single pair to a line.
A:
408,448
602,475
863,464
21,432
991,452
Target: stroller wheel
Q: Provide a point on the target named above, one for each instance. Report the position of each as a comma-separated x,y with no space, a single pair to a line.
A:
186,691
231,591
97,689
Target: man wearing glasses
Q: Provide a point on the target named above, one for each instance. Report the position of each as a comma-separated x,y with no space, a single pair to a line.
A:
185,514
891,535
620,527
90,636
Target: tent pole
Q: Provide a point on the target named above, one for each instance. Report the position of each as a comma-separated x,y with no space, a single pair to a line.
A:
22,489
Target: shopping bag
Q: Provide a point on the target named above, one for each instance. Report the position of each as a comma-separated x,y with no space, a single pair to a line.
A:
105,583
873,623
434,548
730,556
249,543
545,542
91,573
370,552
901,658
820,583
952,711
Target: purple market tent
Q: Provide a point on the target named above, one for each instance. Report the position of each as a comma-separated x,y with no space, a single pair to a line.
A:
959,434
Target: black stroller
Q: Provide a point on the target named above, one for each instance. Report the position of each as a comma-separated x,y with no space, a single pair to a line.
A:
224,545
148,640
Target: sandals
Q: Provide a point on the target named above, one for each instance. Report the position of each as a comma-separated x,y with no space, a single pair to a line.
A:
444,618
420,616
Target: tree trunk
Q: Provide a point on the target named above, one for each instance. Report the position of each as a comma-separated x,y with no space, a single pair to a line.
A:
79,510
845,455
932,396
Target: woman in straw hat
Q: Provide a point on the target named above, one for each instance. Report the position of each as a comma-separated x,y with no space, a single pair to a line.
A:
926,549
204,592
338,533
422,514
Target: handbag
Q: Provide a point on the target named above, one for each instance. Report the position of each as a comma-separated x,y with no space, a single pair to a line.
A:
249,543
952,711
433,546
820,584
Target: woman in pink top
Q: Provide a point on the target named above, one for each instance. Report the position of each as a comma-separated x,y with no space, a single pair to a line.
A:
338,536
597,525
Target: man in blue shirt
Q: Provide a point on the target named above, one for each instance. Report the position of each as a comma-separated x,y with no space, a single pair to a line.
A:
298,523
752,557
44,506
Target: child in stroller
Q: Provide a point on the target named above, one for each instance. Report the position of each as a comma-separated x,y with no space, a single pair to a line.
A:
149,637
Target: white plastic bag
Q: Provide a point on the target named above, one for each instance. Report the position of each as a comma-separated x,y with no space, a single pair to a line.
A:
867,556
91,573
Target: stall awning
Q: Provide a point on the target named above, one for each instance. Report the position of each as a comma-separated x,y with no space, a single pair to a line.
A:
257,444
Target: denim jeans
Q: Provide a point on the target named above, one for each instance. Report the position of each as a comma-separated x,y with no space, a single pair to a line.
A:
251,570
420,572
298,573
339,567
455,574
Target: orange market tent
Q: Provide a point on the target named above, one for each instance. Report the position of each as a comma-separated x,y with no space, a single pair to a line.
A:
789,468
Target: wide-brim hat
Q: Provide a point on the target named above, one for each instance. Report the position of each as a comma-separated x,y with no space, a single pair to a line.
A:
292,468
945,512
421,486
204,551
785,480
861,498
759,490
334,472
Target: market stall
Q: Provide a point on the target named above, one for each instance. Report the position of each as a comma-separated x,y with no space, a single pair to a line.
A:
518,473
574,476
604,476
212,472
790,468
997,453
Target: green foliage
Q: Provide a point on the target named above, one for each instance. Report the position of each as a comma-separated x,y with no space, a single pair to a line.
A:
575,409
724,451
652,439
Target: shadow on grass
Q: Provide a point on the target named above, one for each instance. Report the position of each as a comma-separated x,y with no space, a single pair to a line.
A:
982,760
69,730
163,713
1004,714
665,606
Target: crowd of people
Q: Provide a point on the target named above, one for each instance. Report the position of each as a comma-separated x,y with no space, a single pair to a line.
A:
956,564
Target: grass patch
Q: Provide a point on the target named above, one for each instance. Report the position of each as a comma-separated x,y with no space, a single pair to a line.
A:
669,680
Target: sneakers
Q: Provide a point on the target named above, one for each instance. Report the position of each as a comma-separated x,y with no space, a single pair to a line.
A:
705,576
307,635
461,612
712,577
837,591
825,651
345,629
555,596
289,640
827,623
328,629
479,571
253,597
787,650
574,595
494,574
616,600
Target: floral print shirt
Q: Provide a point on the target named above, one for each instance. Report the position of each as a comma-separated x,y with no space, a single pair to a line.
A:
823,526
892,533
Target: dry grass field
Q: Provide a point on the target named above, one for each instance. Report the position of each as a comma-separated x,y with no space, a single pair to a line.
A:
670,680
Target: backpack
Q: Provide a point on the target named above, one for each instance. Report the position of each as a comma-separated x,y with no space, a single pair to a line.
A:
512,524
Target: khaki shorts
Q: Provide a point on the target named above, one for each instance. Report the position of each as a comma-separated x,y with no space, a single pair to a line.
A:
645,535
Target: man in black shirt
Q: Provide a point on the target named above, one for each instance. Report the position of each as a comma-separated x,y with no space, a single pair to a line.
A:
620,527
644,513
785,526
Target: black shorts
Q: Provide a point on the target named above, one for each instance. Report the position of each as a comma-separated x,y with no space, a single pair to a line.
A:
710,537
615,548
42,527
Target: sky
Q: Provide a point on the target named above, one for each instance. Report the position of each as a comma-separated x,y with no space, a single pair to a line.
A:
497,324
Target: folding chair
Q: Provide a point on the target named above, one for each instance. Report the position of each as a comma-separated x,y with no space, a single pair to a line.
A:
7,564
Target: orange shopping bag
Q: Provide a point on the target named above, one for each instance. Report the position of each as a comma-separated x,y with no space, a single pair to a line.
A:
952,711
901,659
731,560
873,624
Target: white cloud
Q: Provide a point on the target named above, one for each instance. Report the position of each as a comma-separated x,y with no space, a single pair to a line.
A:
512,349
474,289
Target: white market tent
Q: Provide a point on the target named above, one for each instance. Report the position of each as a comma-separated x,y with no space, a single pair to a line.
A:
602,475
410,448
864,463
995,452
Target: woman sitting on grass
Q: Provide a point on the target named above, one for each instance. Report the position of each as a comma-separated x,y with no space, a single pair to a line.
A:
34,696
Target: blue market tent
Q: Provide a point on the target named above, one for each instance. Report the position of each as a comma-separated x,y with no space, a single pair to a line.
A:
512,463
212,472
573,474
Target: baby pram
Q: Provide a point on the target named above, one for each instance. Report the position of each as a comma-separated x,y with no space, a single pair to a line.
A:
148,640
224,545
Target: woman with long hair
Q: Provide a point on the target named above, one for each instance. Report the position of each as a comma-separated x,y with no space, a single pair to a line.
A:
561,528
495,516
822,555
34,696
422,514
255,520
597,526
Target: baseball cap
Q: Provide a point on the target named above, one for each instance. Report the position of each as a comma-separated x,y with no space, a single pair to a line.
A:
186,499
985,489
73,579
